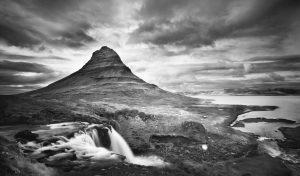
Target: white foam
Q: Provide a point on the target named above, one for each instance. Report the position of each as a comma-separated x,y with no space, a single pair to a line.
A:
149,161
261,138
204,147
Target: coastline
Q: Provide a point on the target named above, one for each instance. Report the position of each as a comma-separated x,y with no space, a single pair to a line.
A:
242,109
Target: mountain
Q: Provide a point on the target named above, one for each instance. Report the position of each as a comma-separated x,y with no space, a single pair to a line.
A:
106,78
105,68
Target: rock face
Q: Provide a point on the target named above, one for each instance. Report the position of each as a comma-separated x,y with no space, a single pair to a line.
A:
103,135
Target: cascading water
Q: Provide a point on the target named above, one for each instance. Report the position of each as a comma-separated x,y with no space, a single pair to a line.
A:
82,145
119,145
95,137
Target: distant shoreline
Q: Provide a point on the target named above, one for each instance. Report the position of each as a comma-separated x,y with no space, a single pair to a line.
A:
242,109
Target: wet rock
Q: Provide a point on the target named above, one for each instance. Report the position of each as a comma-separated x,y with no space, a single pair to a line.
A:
62,156
50,141
104,136
65,165
52,152
102,131
26,135
114,124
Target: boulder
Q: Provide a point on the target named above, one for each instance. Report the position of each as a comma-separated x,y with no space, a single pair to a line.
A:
194,130
25,136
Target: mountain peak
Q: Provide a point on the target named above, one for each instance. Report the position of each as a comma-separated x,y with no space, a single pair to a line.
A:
105,78
103,57
105,52
105,48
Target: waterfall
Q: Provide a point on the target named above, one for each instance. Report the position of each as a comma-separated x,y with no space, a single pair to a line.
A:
83,146
88,144
95,137
120,146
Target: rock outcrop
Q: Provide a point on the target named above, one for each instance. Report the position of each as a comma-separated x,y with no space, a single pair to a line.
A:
25,136
194,130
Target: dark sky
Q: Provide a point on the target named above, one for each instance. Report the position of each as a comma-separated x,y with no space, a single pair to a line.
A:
180,45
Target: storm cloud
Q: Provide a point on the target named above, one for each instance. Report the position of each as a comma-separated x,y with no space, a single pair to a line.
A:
195,23
30,23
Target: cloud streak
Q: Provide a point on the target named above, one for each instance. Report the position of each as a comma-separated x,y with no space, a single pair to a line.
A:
24,67
24,75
